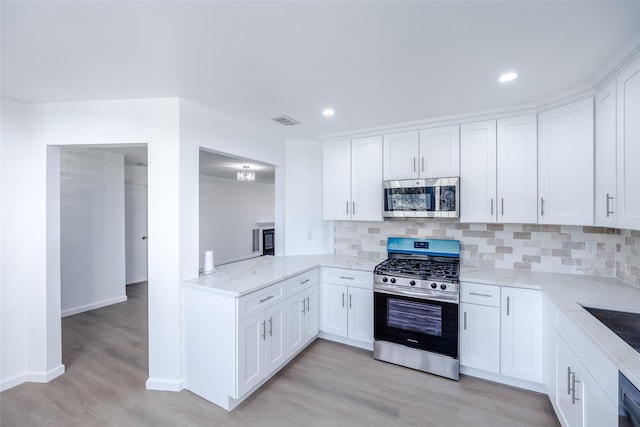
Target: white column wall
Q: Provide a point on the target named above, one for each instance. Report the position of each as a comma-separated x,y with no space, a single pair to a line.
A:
305,231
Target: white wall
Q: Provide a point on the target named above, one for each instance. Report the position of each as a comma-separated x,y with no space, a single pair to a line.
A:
92,227
229,211
305,231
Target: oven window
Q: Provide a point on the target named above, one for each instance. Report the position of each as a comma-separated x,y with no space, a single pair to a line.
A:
415,316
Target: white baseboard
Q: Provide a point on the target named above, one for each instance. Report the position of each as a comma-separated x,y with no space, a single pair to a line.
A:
502,379
93,306
347,341
32,376
165,384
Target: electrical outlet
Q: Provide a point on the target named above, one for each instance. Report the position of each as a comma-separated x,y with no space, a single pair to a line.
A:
591,246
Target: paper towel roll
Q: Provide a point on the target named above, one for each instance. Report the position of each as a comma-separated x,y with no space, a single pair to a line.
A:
208,262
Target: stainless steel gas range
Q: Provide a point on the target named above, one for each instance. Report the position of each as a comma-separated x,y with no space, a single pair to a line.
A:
416,298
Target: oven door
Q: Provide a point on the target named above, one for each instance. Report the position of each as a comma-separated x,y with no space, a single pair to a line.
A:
425,324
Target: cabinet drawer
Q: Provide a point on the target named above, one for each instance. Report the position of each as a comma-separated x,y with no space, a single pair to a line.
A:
259,300
343,276
476,293
302,281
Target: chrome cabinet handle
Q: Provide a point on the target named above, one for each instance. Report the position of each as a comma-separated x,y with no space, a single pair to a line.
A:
507,306
353,211
502,206
266,299
568,379
491,206
343,299
303,307
307,304
264,331
608,199
304,281
346,277
414,164
479,295
541,206
271,326
573,388
422,163
347,207
465,321
350,296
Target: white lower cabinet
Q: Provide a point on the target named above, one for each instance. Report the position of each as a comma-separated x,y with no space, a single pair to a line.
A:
302,319
580,401
261,346
501,331
480,337
346,301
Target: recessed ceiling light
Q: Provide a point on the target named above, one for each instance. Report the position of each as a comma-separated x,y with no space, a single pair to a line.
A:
328,112
507,77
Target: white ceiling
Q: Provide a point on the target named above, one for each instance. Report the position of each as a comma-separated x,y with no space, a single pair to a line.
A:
374,62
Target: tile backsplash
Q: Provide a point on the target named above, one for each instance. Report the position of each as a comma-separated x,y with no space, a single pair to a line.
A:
594,251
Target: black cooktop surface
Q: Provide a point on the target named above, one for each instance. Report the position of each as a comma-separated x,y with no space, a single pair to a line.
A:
623,324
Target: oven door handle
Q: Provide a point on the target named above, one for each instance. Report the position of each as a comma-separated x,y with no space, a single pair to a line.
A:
419,295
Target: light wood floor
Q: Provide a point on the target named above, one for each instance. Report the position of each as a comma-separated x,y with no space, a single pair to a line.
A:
105,354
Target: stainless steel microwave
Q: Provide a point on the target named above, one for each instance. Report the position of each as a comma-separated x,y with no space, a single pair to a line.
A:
422,198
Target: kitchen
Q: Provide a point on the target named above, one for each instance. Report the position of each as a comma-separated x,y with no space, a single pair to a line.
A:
173,259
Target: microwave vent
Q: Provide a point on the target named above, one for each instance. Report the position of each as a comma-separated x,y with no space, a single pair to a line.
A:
285,120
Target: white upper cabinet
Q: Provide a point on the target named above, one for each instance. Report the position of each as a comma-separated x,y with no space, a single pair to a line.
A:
429,153
566,164
400,160
440,152
352,180
478,172
628,148
336,180
605,122
517,170
366,179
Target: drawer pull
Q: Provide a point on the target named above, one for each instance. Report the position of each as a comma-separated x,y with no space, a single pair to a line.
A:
304,281
266,299
480,295
347,278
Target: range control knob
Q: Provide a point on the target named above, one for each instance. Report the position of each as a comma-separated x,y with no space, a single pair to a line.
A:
433,286
443,286
384,279
393,280
412,283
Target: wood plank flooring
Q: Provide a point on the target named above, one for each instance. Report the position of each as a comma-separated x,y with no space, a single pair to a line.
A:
329,384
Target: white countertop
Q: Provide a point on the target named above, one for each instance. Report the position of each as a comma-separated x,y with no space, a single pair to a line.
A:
243,277
566,292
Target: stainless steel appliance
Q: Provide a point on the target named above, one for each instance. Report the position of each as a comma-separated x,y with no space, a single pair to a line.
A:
416,298
628,403
267,242
430,198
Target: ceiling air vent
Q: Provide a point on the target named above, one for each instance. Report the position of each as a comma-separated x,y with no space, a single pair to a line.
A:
285,120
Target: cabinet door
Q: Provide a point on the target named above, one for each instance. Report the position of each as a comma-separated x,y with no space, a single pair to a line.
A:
295,323
478,172
366,179
480,337
568,408
336,180
521,344
628,192
605,121
400,160
361,314
597,409
333,303
311,314
251,338
517,170
275,337
440,152
566,164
